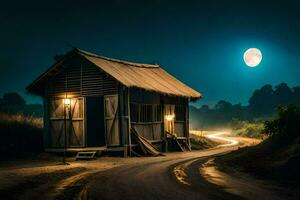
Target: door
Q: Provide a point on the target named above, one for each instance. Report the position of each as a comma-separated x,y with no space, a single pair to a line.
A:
57,123
95,121
75,122
67,122
111,105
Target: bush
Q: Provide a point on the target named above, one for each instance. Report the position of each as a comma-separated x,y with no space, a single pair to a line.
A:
247,129
20,134
279,155
287,123
201,142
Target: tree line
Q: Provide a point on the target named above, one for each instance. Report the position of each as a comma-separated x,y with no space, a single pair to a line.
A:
14,103
261,105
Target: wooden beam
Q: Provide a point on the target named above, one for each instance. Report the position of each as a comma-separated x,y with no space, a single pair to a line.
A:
129,121
46,129
164,134
125,119
187,128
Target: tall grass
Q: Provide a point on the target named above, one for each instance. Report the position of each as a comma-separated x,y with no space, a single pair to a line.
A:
200,142
21,119
20,134
248,129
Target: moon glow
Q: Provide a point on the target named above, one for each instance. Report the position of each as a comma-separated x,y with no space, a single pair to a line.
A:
252,57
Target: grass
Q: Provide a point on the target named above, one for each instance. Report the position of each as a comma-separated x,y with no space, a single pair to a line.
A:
248,129
200,142
19,135
21,119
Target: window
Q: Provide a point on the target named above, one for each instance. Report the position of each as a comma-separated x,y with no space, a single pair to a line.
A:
179,113
140,113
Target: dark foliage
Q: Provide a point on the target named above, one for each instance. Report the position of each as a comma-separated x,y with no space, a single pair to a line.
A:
20,135
219,116
278,157
12,99
262,105
265,100
287,124
13,103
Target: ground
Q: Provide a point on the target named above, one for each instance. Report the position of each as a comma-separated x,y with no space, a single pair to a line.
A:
187,175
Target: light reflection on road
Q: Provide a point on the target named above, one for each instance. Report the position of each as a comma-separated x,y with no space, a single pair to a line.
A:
220,136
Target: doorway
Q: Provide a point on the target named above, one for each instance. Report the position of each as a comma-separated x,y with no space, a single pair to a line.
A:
95,121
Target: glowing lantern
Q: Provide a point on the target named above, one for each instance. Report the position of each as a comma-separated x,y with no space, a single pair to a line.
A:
67,102
169,117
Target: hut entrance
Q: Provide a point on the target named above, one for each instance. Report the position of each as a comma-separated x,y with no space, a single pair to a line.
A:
111,107
95,121
169,111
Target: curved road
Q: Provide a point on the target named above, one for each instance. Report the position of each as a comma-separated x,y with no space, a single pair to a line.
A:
170,177
187,175
175,176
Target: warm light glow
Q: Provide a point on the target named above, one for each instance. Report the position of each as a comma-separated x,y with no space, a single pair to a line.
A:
169,117
252,57
67,102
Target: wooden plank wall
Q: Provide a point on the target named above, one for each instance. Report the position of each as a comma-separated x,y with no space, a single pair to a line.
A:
81,78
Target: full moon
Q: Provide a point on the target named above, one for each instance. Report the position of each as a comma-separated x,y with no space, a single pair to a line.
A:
252,57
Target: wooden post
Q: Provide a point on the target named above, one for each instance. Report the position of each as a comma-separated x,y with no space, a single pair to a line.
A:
121,119
187,128
128,121
125,119
46,131
163,126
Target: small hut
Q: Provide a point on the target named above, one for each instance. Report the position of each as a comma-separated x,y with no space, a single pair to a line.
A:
93,102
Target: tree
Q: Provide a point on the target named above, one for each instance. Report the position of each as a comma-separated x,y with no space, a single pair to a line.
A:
262,100
282,94
223,106
296,95
287,124
204,108
13,99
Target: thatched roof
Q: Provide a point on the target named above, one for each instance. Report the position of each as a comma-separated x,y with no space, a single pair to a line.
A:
146,76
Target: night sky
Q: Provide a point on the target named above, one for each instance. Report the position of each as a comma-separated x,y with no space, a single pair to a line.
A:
200,42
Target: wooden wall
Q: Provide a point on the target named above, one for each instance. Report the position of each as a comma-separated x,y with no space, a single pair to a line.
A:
154,130
79,77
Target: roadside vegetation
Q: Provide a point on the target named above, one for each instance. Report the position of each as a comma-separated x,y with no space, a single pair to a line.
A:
278,157
19,135
261,106
200,142
13,103
251,129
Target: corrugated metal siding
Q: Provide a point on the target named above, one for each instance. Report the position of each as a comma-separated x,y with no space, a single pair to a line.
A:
80,78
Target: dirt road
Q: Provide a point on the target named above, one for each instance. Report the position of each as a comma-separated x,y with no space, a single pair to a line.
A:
187,175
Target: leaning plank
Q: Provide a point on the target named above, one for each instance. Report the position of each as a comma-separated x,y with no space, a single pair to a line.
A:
175,141
146,146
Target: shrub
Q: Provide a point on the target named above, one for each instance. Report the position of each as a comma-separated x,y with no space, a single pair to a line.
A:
287,123
247,129
20,134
